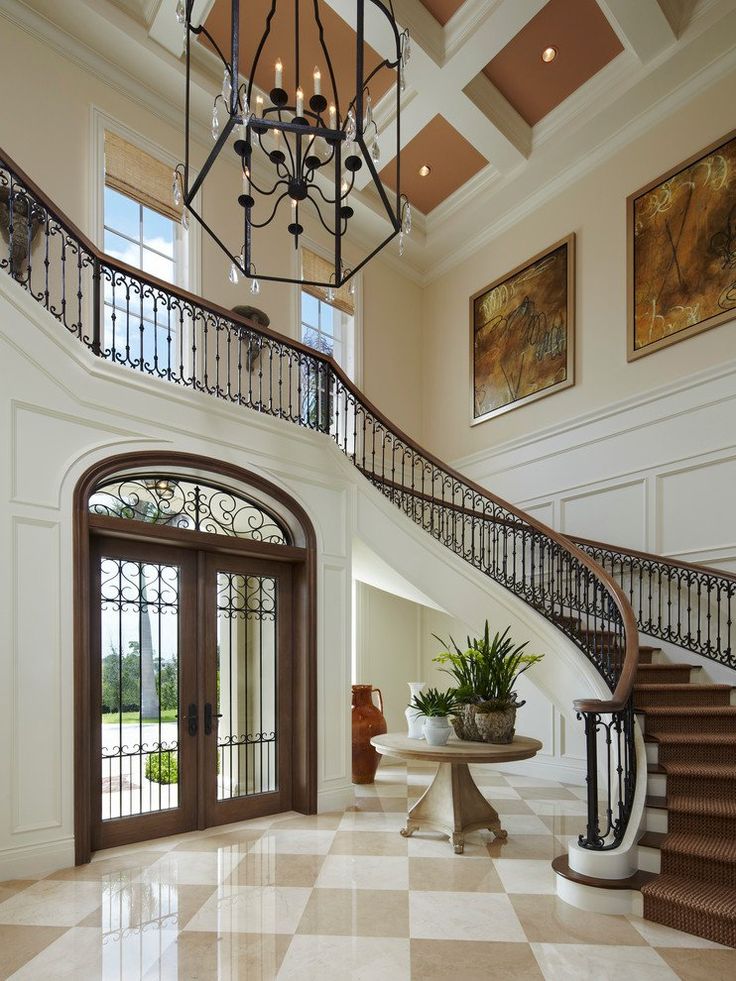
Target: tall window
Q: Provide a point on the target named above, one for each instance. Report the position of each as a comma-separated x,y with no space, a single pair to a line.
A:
142,227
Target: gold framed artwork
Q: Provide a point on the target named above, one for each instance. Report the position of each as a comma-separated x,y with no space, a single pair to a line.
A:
522,334
681,262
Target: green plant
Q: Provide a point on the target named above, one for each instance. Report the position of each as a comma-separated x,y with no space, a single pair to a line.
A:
435,703
487,671
163,767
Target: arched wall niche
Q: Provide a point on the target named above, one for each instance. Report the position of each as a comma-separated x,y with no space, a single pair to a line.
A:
299,552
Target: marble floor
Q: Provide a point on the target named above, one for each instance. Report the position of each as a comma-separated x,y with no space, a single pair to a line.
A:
342,896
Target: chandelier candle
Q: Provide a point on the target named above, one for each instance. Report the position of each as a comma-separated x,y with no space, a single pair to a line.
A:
294,150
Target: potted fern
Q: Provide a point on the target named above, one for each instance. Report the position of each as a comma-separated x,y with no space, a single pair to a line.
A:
436,706
485,676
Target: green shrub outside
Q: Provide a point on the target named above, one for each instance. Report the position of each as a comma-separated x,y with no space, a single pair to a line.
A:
163,767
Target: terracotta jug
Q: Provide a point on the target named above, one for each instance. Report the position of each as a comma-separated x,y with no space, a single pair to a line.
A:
368,721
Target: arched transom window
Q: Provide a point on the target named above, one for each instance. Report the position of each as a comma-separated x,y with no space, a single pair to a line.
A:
186,502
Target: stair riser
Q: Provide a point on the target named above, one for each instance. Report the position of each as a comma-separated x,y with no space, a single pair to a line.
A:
685,723
655,675
670,699
652,751
690,921
655,819
657,785
687,753
692,867
711,787
649,859
702,824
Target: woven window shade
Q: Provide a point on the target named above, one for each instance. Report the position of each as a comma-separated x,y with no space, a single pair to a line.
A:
316,268
138,175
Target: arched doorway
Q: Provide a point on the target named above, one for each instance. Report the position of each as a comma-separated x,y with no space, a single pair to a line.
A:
194,649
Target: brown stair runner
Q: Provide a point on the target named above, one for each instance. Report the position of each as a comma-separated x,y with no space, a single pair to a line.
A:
694,729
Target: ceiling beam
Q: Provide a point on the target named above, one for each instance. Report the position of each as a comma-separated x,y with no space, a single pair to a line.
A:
641,26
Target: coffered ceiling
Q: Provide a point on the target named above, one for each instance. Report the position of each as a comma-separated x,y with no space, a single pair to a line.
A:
497,126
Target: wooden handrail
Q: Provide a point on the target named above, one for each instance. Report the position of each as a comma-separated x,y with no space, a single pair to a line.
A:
625,682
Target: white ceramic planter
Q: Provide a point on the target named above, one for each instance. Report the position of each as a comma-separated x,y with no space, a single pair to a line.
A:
437,729
414,718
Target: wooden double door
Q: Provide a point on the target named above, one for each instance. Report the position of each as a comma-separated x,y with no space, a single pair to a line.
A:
191,680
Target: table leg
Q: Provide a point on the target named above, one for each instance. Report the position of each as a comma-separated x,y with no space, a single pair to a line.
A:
453,804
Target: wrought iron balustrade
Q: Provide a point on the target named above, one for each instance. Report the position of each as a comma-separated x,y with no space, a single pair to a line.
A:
134,320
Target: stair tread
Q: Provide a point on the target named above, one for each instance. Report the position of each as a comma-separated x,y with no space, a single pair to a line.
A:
709,897
709,806
652,800
680,686
670,666
708,847
717,770
692,738
704,710
656,768
652,839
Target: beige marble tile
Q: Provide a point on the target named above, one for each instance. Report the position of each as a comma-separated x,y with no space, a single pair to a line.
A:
472,960
547,919
700,965
525,846
658,935
510,806
463,916
545,793
240,840
591,962
563,824
221,957
127,863
294,842
369,843
269,869
86,954
357,912
153,905
387,805
193,868
435,844
524,824
379,789
311,958
18,944
252,909
526,875
364,872
371,821
559,808
11,886
52,903
308,822
459,873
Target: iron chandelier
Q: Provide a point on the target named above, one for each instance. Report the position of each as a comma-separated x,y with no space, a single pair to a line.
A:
299,153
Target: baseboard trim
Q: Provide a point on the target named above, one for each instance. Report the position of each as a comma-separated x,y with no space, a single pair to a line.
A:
33,860
561,772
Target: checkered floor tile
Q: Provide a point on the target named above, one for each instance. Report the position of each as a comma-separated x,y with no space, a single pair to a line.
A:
341,896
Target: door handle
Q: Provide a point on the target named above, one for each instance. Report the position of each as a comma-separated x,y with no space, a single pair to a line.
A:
191,718
208,715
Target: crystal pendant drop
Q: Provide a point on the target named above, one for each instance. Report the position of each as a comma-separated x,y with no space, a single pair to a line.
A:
402,78
215,122
368,112
233,274
255,287
185,220
407,48
176,190
330,294
401,243
181,12
375,151
227,87
350,127
407,218
351,288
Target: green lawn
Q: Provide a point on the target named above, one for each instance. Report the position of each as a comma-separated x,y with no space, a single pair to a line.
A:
167,715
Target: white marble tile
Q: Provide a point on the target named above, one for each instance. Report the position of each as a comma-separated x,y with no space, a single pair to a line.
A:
364,872
592,962
52,903
318,958
294,842
524,824
463,916
554,807
659,935
252,909
526,875
372,821
433,844
193,868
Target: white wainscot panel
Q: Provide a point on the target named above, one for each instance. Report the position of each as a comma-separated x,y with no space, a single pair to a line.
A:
544,512
696,507
327,508
335,654
44,442
611,514
36,731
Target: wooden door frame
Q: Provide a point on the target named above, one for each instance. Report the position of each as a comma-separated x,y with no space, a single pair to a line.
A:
304,571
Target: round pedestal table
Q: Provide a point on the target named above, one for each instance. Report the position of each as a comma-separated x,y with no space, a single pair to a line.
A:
452,803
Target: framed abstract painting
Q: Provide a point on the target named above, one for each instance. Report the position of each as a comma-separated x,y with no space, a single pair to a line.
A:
682,251
522,334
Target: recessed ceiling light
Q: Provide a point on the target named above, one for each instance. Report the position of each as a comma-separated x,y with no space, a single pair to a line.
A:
549,54
425,170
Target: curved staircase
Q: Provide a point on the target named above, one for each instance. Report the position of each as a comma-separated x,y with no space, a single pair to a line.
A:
690,735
